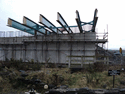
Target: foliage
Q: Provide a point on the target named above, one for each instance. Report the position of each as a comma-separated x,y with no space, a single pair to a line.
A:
51,65
91,77
99,67
72,80
20,65
95,67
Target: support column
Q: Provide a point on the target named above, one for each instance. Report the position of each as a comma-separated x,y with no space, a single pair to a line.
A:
70,56
5,51
35,50
24,53
81,61
35,34
42,50
105,60
12,51
84,51
46,51
58,51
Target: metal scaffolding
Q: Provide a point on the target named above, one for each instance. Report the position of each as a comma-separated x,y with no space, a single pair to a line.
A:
48,43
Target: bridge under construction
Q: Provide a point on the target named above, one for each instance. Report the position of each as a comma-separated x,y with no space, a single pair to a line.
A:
50,44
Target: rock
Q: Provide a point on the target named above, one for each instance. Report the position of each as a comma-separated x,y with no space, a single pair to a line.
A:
122,91
71,91
45,86
32,91
122,69
99,91
122,82
3,66
75,70
83,90
104,86
24,75
63,86
112,91
4,70
50,86
22,71
42,84
37,81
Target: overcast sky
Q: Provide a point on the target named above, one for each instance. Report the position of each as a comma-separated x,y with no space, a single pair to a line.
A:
110,12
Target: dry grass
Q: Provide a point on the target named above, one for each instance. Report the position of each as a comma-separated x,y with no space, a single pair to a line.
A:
62,76
78,79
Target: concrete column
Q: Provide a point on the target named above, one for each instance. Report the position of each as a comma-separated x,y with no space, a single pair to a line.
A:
58,51
94,59
70,43
35,51
81,61
105,60
24,53
69,65
46,51
12,51
42,51
5,52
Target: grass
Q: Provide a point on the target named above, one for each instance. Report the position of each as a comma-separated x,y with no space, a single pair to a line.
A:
92,76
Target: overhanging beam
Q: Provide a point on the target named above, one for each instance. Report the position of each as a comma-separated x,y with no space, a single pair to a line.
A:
44,21
78,21
19,26
31,24
94,20
94,24
63,23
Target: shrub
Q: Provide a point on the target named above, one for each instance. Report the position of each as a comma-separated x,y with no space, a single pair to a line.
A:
89,78
32,60
72,80
98,67
90,68
93,78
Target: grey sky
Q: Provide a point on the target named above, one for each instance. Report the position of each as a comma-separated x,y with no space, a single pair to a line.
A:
110,12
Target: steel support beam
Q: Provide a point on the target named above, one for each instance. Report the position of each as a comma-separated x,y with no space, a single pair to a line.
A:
19,26
63,23
44,21
94,20
31,24
78,21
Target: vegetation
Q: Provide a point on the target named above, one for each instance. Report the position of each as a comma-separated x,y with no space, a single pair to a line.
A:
92,76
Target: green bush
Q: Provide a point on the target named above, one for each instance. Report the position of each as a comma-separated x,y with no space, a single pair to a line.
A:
20,65
72,80
89,78
95,67
93,78
90,68
32,60
99,67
